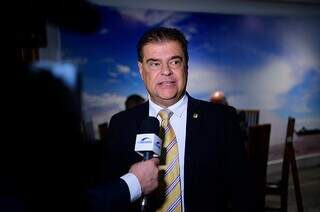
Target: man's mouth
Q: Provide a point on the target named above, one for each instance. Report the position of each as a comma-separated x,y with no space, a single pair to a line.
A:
166,83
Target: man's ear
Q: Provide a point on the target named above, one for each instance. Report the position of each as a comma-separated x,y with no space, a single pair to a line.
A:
140,70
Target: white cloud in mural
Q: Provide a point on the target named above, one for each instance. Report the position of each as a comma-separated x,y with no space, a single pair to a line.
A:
189,31
100,108
205,79
104,100
265,86
299,41
154,17
165,18
173,19
147,17
278,126
123,69
261,88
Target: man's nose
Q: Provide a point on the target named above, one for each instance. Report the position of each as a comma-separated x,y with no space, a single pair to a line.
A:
166,70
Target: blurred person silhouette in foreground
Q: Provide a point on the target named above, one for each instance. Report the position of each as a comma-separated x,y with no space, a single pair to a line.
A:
43,157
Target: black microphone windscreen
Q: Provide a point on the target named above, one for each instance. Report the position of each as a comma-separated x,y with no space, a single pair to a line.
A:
150,125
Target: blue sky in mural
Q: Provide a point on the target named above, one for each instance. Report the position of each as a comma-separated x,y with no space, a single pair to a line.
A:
260,62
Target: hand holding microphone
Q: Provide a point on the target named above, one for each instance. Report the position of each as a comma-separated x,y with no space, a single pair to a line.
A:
148,144
147,173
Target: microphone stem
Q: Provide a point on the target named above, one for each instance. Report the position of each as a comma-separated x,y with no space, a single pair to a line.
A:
146,156
144,204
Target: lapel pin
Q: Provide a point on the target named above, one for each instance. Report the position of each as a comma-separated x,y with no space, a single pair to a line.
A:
195,115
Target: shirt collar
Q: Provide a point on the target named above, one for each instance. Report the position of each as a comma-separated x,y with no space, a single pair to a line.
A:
178,108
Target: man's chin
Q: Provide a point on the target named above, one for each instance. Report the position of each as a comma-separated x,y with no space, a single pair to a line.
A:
168,97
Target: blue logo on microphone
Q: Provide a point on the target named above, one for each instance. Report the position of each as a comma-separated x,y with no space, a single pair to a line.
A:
145,140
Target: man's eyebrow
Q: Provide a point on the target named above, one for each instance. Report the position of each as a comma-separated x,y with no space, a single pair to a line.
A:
152,60
156,60
176,57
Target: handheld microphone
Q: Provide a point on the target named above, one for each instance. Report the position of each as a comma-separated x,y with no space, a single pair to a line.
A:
148,144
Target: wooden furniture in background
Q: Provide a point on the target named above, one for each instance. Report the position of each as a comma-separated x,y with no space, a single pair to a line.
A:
257,150
251,117
280,188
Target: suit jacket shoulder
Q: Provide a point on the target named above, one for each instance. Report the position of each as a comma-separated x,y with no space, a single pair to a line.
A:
119,152
205,117
215,160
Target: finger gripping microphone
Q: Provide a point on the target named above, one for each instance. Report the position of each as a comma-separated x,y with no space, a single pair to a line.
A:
148,144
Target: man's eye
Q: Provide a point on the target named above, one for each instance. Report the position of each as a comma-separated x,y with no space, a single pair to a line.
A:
175,62
154,64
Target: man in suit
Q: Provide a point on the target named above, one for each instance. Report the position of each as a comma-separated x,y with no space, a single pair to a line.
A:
210,167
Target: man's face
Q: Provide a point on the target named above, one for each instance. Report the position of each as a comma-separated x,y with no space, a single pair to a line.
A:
164,72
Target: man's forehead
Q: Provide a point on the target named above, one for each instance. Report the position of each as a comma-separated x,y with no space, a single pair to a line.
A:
163,43
160,49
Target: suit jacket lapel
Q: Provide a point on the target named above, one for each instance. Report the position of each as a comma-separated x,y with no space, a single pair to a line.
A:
193,129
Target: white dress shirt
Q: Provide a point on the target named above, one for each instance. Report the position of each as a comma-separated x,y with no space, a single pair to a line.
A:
178,122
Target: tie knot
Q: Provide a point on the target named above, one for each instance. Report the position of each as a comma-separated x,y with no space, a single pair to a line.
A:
165,114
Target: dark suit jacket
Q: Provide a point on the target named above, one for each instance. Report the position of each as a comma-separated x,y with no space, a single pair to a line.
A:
216,171
111,196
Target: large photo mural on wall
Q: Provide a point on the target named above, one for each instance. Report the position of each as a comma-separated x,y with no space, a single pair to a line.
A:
265,63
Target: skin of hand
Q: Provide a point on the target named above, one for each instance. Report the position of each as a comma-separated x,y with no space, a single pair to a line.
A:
147,173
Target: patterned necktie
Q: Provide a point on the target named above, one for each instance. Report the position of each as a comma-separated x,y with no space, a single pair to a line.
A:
172,191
